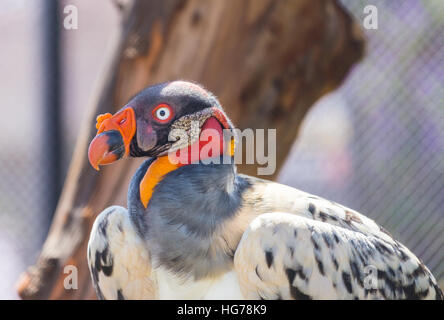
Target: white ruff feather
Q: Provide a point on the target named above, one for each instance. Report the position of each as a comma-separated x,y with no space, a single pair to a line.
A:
171,287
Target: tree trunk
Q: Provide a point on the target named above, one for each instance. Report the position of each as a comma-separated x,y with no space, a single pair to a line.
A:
267,61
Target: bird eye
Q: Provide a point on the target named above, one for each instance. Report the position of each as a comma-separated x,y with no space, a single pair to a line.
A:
162,113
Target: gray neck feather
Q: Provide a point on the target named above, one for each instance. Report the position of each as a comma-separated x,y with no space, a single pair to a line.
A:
183,216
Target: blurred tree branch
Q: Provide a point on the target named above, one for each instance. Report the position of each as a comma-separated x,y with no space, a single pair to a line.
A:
268,62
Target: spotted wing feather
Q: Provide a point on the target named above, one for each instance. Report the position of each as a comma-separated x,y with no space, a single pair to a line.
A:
287,256
118,259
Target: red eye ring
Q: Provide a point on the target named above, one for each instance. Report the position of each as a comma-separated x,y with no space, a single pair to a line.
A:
163,113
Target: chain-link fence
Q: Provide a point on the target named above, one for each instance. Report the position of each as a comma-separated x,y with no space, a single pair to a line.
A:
24,200
377,144
26,158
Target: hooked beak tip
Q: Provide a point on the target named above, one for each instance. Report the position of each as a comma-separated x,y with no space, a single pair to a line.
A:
93,156
105,148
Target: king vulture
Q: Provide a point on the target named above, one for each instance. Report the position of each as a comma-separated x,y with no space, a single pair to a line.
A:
197,229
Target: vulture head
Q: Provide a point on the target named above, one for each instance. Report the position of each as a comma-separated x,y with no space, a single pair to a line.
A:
171,117
177,123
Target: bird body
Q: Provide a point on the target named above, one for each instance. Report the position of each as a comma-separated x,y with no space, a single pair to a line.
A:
206,232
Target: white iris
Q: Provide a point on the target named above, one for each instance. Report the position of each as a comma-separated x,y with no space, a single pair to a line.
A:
163,113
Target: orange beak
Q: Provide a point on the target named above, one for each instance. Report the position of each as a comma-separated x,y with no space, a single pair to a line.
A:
113,138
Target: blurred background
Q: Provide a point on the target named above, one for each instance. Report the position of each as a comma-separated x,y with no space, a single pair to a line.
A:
376,144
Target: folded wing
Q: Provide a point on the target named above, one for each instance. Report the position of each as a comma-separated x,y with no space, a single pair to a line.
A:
118,259
288,256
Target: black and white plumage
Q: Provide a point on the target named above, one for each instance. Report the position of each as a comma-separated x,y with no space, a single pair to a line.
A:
119,256
211,233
